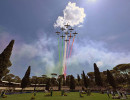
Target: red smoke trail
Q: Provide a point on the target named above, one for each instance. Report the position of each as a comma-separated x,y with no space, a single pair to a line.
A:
66,59
65,72
71,47
68,48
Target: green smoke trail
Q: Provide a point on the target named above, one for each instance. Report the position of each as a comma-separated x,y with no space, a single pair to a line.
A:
62,56
59,49
62,49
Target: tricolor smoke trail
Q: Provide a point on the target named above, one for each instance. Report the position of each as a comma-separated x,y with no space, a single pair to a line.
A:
71,47
64,61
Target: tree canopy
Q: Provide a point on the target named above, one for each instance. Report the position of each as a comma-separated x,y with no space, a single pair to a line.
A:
25,80
5,59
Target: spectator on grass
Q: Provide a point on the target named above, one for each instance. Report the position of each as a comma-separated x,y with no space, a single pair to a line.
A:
51,91
2,93
125,94
108,92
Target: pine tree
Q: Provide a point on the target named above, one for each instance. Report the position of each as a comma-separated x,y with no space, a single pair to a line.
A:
78,78
84,80
110,79
59,82
72,82
25,81
5,59
98,79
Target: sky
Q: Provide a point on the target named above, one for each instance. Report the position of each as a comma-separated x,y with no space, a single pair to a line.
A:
103,27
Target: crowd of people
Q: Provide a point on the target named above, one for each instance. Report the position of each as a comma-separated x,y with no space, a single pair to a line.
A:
121,94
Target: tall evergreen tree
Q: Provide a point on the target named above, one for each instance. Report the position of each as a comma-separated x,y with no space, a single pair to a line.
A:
84,80
5,59
110,79
68,80
25,81
72,82
78,78
98,79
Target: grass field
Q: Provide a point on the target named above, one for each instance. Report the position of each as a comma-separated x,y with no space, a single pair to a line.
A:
70,96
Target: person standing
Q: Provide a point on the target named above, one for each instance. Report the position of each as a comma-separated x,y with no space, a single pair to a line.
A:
108,92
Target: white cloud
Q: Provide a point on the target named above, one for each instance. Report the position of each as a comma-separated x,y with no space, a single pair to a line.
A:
72,14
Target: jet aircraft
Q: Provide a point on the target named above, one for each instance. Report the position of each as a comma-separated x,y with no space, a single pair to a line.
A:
66,40
67,25
70,36
66,33
58,33
71,29
62,29
62,36
75,33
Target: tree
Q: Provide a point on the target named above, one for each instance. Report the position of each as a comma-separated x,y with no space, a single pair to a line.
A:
34,80
91,79
17,79
59,82
124,68
84,80
68,80
5,59
72,82
9,78
25,81
48,83
110,79
78,78
98,79
91,75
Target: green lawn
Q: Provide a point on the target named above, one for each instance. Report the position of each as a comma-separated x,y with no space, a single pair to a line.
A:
71,96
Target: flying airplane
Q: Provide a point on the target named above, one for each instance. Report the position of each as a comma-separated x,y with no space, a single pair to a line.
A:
62,36
70,36
66,40
58,33
62,29
71,29
67,25
66,33
75,33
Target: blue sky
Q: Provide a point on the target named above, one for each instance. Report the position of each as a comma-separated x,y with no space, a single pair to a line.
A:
103,34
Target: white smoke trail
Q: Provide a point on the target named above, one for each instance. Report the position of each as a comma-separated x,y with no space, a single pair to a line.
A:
64,61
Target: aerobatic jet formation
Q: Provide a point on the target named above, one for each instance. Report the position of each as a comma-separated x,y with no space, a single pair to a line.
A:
66,47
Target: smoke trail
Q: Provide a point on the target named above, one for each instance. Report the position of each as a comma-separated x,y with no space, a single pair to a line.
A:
65,71
68,48
62,49
59,49
62,56
64,61
71,47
